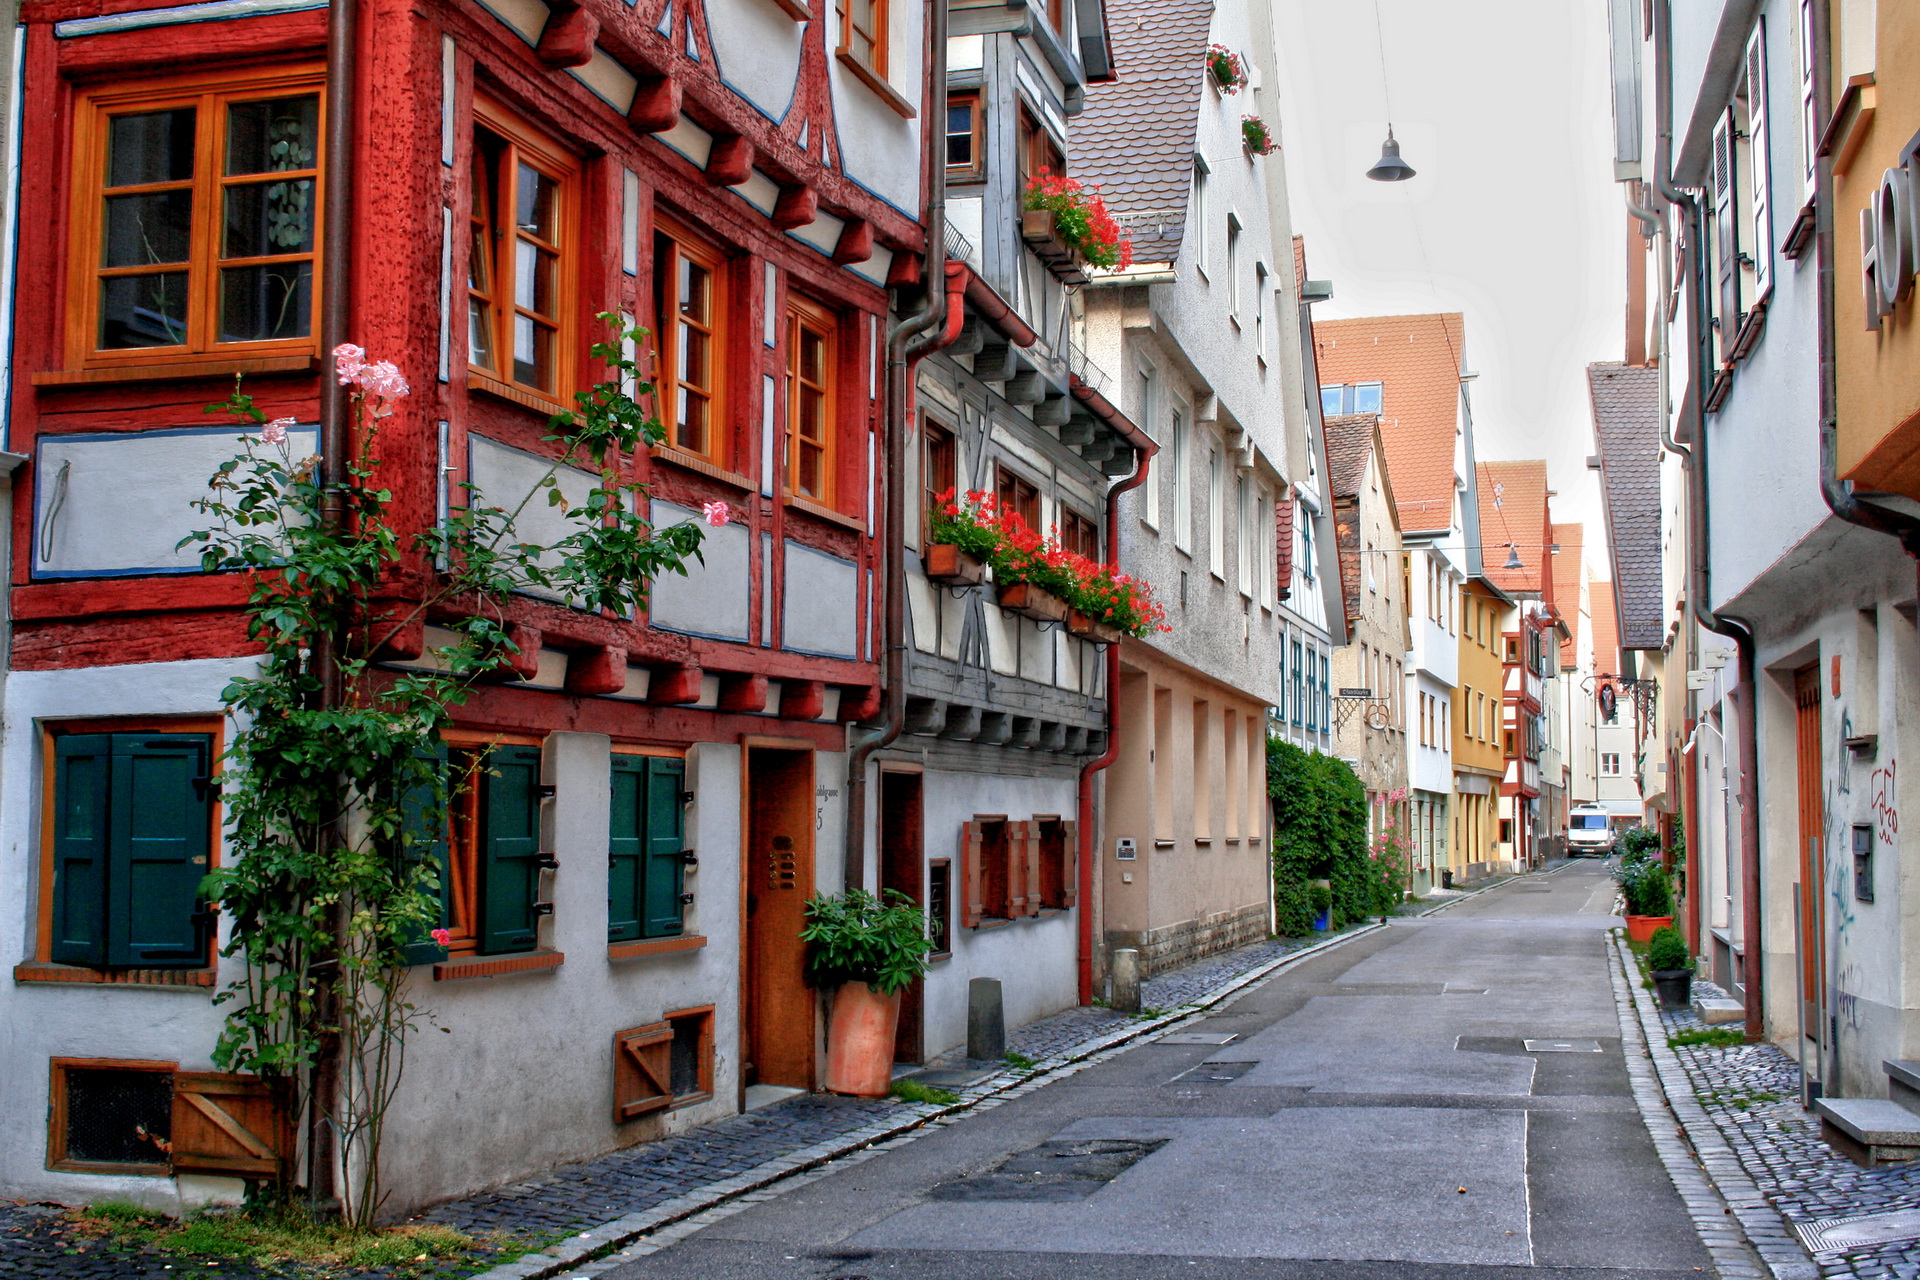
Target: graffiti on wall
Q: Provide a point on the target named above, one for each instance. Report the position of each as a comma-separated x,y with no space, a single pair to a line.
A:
1883,798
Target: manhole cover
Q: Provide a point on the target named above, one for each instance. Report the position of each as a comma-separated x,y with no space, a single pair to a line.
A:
1064,1169
1213,1073
1562,1046
1827,1235
1201,1037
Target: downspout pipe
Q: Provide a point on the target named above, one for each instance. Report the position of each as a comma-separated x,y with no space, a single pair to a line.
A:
906,344
1699,581
1084,823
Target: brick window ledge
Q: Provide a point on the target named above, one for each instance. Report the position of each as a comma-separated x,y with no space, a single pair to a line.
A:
654,947
496,966
56,974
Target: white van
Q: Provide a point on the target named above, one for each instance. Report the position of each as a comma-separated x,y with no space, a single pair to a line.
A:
1589,832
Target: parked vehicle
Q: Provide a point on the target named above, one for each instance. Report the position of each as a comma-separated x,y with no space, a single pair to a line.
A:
1589,832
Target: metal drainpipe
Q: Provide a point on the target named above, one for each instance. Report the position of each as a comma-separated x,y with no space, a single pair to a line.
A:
905,346
336,276
1699,580
1107,757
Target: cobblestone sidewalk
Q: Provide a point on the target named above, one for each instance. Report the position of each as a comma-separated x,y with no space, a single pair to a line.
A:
1751,1092
38,1241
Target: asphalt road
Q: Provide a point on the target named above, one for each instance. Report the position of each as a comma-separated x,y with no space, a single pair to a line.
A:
1376,1115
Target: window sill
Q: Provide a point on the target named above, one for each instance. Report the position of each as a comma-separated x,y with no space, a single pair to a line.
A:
107,1168
57,974
694,462
495,966
690,1099
997,922
176,369
867,76
828,514
537,401
654,947
798,12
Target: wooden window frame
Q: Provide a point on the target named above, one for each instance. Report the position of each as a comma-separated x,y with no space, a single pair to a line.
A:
526,144
57,1124
804,313
678,242
703,1088
462,889
1056,879
1079,534
940,923
208,93
975,169
1036,150
1014,492
43,965
939,469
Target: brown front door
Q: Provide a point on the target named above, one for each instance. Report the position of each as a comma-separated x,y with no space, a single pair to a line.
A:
903,867
778,1021
1806,702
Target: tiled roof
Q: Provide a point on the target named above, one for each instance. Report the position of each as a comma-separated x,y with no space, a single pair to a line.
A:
1349,443
1626,427
1299,261
1350,438
1513,510
1606,635
1417,358
1569,567
1134,140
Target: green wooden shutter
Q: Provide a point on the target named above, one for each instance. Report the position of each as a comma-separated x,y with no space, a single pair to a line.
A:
157,849
80,819
509,845
423,840
666,843
626,848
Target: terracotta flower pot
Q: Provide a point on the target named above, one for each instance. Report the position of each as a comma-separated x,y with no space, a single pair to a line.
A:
1089,629
860,1041
1640,928
950,566
1030,601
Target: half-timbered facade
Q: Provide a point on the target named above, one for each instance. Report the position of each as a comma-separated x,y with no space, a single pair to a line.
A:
661,792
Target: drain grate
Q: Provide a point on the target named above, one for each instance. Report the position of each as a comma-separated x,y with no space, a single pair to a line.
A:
1830,1235
1063,1169
1213,1073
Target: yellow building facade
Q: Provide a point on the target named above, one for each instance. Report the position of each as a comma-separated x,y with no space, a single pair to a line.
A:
1478,756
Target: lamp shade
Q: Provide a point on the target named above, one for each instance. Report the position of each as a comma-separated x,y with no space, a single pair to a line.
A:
1390,167
1513,558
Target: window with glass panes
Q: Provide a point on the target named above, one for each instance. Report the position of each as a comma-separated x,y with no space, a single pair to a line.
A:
520,260
1013,494
966,154
938,466
863,33
810,355
1079,534
487,859
196,217
1355,397
689,277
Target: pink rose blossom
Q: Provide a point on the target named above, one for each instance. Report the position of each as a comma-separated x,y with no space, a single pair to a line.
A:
716,513
348,361
441,936
276,431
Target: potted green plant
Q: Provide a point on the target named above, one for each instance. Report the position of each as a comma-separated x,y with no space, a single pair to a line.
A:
868,949
1320,896
1258,138
1649,894
1228,71
1672,967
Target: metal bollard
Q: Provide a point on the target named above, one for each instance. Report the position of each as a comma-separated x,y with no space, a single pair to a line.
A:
1126,980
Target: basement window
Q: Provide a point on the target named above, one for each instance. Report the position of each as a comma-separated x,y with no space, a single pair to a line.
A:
111,1117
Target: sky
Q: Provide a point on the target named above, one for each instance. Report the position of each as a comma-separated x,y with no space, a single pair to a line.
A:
1513,217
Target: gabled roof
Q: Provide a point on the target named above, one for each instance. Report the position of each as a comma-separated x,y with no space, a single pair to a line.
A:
1606,635
1353,438
1134,140
1417,359
1513,510
1626,428
1569,569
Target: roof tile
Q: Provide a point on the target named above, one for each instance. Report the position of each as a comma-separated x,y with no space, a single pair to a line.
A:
1513,514
1417,358
1626,427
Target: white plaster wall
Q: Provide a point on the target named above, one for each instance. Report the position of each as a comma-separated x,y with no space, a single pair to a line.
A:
757,49
880,150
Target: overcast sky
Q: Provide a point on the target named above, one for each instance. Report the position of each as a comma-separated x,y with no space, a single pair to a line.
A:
1502,107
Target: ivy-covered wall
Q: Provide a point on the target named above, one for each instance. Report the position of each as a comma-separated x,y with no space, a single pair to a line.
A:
1319,833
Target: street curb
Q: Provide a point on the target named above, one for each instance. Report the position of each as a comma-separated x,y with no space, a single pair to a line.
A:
584,1248
1704,1168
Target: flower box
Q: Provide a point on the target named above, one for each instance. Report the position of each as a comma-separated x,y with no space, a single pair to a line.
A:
1030,601
1086,628
1640,928
949,566
1066,264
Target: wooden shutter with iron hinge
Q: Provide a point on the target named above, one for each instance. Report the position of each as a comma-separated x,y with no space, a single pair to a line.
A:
972,874
1070,864
233,1125
642,1070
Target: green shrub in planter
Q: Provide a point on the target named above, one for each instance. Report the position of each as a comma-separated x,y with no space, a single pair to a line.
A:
1667,952
857,937
1647,889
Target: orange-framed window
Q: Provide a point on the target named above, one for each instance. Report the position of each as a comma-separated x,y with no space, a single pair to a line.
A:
196,217
1079,535
939,465
1018,496
966,144
1037,150
863,33
522,260
812,333
690,277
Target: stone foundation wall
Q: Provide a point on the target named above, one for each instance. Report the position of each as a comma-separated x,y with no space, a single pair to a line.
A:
1173,945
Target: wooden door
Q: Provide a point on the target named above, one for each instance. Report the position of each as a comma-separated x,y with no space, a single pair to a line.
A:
1806,702
778,1020
903,867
